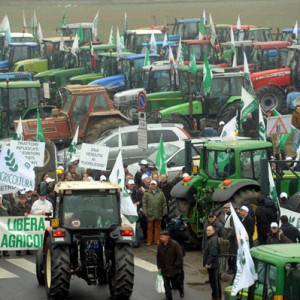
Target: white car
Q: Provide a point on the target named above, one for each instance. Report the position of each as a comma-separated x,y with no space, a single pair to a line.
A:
175,156
128,142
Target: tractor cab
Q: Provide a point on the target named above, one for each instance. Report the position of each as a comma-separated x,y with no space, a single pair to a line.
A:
293,63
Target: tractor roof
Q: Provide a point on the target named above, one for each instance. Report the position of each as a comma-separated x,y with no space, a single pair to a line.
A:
241,145
139,56
297,47
20,84
63,186
238,43
76,25
57,39
144,31
29,44
114,54
78,88
98,47
186,21
278,254
159,65
270,45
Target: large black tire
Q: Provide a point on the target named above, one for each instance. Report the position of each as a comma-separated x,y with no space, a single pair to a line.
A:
229,112
129,109
39,266
57,271
98,128
121,274
271,97
153,117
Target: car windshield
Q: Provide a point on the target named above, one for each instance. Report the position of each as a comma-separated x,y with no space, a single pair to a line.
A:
90,211
169,151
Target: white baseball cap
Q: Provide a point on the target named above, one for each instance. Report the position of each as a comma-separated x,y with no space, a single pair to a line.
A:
221,123
283,195
131,181
153,182
245,208
274,225
144,176
49,179
102,178
143,162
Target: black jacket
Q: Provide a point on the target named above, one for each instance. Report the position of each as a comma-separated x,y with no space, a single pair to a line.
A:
248,223
291,232
265,215
211,252
169,258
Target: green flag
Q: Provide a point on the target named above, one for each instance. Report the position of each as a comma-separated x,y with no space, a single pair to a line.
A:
72,148
147,59
111,39
272,187
80,34
19,131
207,76
282,138
193,64
248,105
161,161
201,30
247,78
39,129
64,20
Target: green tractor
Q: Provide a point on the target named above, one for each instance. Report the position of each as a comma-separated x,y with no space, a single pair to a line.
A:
86,239
278,270
233,171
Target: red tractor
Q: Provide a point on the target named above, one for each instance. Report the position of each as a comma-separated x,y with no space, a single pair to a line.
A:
272,86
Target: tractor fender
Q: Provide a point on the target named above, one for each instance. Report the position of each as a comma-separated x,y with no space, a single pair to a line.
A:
185,191
223,194
120,239
66,240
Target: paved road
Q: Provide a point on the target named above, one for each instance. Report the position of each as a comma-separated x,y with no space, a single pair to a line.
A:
18,280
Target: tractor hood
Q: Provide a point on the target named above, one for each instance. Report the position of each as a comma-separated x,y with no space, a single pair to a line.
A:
183,109
111,82
85,78
126,96
31,65
4,64
45,73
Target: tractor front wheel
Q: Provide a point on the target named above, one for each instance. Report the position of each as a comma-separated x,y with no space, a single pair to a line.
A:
57,271
270,97
129,109
39,266
121,273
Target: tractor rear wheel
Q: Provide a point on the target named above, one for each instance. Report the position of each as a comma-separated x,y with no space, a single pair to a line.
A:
270,97
98,128
57,271
39,266
129,109
121,273
230,111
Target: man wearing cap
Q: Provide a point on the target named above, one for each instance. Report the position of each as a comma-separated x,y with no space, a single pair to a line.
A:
211,262
154,208
276,236
144,167
218,227
170,264
248,223
221,126
42,205
284,201
75,161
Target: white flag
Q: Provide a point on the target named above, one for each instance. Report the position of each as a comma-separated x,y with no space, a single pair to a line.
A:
295,29
16,170
261,125
75,46
179,59
153,46
238,23
246,274
204,17
111,40
248,105
72,148
117,176
19,134
119,45
229,132
95,25
213,31
232,37
24,22
234,62
62,45
165,41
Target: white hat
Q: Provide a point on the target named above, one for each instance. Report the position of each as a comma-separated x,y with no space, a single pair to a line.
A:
153,182
143,162
245,208
185,175
144,176
283,195
131,181
274,224
49,179
74,158
22,192
102,178
289,158
61,167
221,123
90,178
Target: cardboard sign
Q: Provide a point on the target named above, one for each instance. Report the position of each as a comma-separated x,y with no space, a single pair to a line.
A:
93,156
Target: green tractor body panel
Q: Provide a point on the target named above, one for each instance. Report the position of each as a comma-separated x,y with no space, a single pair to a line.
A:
156,101
278,272
183,109
34,65
85,78
44,76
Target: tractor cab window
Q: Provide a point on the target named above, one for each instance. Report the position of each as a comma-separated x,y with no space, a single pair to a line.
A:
195,81
265,286
90,211
108,66
80,110
100,102
219,164
250,163
66,99
187,31
159,82
291,285
19,53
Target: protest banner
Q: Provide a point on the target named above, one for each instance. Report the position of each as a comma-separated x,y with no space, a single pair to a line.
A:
22,233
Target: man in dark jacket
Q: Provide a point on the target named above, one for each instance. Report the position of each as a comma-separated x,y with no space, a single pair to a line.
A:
265,215
170,264
289,230
248,223
276,236
211,262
